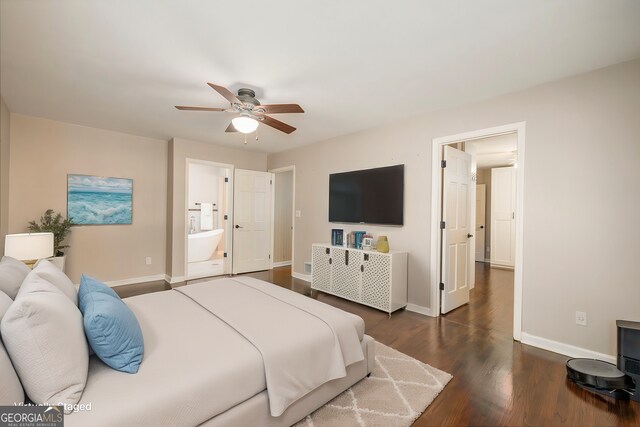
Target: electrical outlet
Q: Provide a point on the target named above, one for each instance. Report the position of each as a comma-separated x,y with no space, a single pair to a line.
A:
147,260
581,318
298,214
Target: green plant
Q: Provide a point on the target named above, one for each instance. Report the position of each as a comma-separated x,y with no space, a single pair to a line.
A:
55,223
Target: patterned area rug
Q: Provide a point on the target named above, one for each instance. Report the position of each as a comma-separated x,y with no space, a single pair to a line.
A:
399,389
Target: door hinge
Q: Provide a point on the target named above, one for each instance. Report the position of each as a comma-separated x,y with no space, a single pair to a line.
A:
269,256
226,179
442,286
225,254
226,217
443,164
442,225
270,181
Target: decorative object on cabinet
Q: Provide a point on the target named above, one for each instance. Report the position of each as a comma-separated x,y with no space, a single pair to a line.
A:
367,243
370,278
358,235
337,237
383,244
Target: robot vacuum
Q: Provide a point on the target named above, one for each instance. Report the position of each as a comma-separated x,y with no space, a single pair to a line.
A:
600,377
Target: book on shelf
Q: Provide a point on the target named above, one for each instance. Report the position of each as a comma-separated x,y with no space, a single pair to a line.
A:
337,237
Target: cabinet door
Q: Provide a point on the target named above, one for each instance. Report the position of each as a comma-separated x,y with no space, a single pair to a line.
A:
376,280
321,268
345,280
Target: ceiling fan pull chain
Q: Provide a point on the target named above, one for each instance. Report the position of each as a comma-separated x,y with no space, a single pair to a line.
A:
257,135
245,139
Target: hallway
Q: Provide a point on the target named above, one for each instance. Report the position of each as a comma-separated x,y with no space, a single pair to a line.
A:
490,301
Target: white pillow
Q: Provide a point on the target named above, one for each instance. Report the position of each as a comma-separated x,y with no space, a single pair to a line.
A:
35,283
12,274
44,336
11,391
49,272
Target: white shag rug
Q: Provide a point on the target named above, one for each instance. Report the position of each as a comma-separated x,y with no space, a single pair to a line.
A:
399,389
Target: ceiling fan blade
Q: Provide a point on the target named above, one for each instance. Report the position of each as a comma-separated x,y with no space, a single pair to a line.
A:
230,128
277,124
184,107
229,96
279,108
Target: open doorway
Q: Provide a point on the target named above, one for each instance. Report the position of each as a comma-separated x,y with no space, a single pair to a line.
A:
492,158
496,160
283,216
208,245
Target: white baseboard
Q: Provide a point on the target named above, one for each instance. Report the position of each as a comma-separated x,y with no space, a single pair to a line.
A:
305,277
133,280
565,349
501,267
282,263
172,280
420,309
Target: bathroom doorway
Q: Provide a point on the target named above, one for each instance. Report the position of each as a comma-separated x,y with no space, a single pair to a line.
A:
208,217
283,215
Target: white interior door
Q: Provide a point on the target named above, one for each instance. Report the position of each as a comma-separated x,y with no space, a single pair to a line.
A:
252,221
503,217
456,213
481,206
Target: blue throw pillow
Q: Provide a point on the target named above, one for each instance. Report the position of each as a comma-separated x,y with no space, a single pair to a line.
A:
89,284
111,328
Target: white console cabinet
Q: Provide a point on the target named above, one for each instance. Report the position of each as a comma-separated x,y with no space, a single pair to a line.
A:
367,277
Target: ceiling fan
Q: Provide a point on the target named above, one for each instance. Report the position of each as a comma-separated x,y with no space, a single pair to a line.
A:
250,111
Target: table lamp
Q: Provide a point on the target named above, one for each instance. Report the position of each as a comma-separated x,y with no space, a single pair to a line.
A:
29,247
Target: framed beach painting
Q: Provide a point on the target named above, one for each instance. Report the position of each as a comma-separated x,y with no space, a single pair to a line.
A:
96,200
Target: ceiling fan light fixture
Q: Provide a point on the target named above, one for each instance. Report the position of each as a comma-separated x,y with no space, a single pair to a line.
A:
245,124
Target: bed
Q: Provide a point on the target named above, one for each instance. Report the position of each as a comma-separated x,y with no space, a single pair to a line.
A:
229,352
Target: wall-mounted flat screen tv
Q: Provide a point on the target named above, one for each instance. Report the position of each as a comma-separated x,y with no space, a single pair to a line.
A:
372,196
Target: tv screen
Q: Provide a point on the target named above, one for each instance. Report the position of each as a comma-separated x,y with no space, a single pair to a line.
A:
374,196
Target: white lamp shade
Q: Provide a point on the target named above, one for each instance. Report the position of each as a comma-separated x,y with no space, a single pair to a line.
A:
245,124
28,246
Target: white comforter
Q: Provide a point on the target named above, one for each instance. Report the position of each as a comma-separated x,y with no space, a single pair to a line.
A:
303,343
196,366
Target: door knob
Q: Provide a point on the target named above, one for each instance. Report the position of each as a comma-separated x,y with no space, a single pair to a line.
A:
482,226
237,226
469,235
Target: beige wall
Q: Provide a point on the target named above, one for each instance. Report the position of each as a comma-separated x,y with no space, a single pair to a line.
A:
179,151
5,132
579,250
43,152
283,216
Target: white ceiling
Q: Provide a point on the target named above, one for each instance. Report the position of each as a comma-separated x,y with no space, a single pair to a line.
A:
495,151
123,65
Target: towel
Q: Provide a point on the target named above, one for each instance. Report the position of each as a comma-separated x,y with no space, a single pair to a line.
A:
206,216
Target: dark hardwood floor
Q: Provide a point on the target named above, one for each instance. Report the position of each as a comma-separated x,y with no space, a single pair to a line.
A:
496,381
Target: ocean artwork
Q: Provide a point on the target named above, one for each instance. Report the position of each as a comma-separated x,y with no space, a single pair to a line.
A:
94,200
